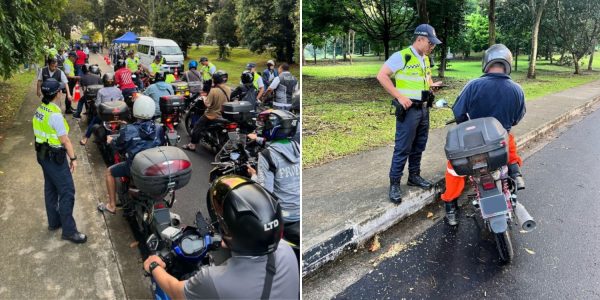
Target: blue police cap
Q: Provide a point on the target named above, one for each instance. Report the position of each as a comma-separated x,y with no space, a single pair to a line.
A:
427,30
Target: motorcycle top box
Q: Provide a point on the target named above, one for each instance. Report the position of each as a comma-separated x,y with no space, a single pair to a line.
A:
195,86
171,103
238,111
159,170
113,111
476,144
91,91
181,88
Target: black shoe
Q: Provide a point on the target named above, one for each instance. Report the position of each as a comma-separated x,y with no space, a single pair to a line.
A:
417,180
395,191
52,228
77,238
451,208
69,111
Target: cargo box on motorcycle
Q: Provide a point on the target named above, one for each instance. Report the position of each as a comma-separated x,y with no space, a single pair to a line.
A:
91,91
181,88
158,170
475,144
242,111
195,86
113,111
171,103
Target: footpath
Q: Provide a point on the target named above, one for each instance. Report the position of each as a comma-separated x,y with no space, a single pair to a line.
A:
345,202
36,263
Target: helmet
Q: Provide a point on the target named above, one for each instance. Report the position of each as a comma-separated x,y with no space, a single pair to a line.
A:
277,124
108,79
249,217
143,107
85,68
94,69
220,77
159,76
203,59
130,52
497,53
247,77
250,65
120,64
157,57
50,88
192,64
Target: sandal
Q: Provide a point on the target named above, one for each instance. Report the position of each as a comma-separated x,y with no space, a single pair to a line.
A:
188,148
82,143
102,208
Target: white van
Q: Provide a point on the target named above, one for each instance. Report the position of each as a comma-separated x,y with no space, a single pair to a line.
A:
148,47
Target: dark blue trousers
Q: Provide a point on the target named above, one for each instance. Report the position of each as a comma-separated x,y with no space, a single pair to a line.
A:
411,138
59,193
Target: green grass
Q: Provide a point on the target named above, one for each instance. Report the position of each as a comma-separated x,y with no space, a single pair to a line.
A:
236,63
346,111
12,96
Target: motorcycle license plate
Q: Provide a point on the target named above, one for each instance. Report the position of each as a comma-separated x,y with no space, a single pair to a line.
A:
478,161
492,203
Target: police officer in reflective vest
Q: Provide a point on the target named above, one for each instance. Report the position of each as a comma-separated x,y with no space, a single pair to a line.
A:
53,148
284,86
411,69
207,70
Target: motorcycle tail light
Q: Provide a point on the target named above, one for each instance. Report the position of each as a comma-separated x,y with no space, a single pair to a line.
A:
168,167
231,126
159,205
488,183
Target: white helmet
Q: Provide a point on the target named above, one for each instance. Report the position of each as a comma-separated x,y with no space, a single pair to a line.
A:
143,107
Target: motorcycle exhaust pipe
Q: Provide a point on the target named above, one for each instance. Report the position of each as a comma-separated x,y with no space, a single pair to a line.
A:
524,219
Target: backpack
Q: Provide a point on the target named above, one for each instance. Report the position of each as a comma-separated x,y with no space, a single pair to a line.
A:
250,96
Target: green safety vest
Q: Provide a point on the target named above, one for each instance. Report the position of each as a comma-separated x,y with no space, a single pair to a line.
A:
169,78
255,80
154,67
132,64
205,71
71,67
41,125
412,79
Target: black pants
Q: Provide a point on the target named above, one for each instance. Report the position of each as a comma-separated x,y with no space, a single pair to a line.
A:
206,86
199,127
291,232
72,84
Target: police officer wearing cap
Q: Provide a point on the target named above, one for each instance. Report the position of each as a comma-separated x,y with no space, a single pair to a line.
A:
257,80
207,70
412,88
58,160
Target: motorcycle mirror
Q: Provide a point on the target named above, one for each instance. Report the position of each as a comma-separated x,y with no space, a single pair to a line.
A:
152,243
441,103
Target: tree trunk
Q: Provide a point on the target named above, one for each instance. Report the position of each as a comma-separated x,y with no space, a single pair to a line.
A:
325,53
517,57
562,58
314,54
422,10
591,61
443,61
576,62
492,21
334,46
534,39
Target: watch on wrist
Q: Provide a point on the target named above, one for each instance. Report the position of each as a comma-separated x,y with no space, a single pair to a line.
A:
153,266
74,158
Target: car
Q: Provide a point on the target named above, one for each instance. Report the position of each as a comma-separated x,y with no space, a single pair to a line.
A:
148,47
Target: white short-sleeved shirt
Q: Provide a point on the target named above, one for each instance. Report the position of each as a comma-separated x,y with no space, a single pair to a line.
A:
58,124
396,61
261,84
63,77
212,70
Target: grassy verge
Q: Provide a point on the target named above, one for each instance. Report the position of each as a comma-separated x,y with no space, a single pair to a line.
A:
345,112
236,63
12,96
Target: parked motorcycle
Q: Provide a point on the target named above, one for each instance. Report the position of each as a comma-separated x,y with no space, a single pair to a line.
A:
91,92
113,115
171,108
478,149
184,250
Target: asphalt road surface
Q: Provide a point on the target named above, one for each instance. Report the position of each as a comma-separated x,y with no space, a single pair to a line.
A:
558,260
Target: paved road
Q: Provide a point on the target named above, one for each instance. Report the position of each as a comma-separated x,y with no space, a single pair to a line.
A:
562,261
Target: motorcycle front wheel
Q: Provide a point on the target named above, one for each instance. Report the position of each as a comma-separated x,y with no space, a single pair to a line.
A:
504,246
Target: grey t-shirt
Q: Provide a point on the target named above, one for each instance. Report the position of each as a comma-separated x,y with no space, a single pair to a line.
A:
108,94
243,277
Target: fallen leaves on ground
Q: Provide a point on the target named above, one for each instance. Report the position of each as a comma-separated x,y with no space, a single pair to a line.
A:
134,244
530,251
375,244
429,215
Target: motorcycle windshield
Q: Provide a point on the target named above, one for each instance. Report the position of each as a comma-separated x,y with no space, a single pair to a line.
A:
492,203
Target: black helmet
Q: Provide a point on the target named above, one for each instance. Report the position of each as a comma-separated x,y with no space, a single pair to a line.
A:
159,76
276,124
249,217
120,63
203,59
108,79
50,88
85,68
247,77
94,69
220,77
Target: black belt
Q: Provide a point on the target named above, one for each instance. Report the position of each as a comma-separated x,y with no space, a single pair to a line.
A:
418,104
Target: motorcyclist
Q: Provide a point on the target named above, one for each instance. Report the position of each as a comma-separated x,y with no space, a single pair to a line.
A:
106,94
158,89
217,96
124,80
494,94
133,138
246,91
260,266
193,75
279,166
90,77
269,73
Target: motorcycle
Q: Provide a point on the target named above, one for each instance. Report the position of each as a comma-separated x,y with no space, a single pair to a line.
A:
184,250
113,115
171,107
89,97
478,149
149,193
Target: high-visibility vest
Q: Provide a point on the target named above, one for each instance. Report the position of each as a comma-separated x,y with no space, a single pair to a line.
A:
255,80
132,64
413,79
71,67
154,67
42,129
205,70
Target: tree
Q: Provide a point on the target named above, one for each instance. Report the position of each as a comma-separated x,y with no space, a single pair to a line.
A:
383,20
514,24
223,29
537,9
477,32
492,22
183,21
25,31
421,7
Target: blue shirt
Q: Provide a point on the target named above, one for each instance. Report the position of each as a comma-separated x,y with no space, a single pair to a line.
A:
157,90
491,95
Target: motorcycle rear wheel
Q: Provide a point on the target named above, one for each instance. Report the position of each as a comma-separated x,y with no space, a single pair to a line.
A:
504,246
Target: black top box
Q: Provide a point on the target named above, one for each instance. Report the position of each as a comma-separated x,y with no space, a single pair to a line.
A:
171,103
113,111
238,111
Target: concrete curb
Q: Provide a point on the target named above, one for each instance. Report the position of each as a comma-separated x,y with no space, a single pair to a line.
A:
356,233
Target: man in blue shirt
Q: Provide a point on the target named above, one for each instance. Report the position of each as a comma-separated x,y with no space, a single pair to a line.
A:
494,94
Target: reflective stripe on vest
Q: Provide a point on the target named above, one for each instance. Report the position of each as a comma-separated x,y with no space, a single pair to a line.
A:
413,79
206,71
132,64
42,129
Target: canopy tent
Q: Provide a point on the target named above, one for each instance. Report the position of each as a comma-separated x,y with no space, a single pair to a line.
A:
85,37
127,38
